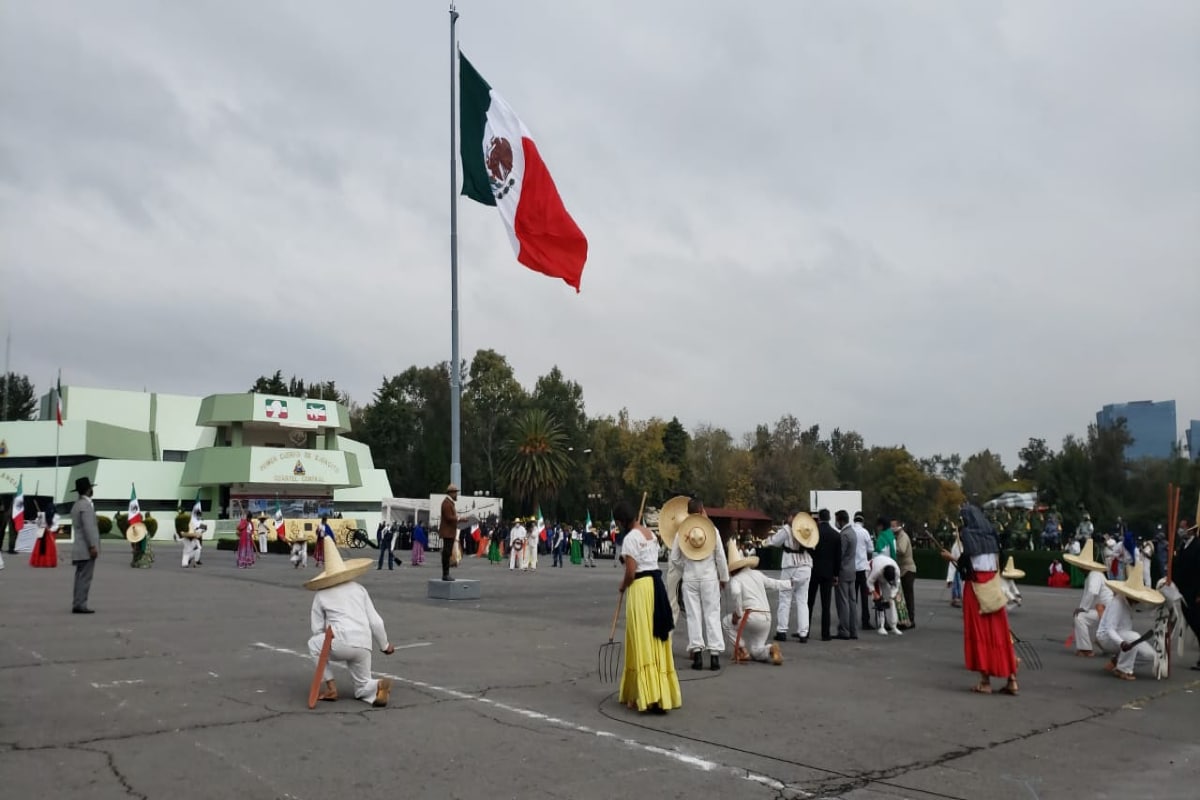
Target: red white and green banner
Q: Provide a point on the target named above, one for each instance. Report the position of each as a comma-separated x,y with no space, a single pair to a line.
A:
279,528
502,167
135,510
18,507
539,529
276,408
315,412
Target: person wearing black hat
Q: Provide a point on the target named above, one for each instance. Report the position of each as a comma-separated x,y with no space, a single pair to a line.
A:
86,548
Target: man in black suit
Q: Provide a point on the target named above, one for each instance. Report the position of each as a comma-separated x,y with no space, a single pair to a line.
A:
827,561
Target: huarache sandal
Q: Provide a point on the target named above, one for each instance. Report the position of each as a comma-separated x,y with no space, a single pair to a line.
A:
1011,688
1125,676
982,688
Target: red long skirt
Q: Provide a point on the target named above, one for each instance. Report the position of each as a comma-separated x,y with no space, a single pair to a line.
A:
45,551
987,643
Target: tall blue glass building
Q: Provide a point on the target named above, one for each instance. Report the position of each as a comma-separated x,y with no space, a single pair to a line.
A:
1151,424
1193,440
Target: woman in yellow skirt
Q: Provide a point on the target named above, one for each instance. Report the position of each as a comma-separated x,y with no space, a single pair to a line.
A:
649,682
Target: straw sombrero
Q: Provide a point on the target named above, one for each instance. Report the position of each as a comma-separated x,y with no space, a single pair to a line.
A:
697,537
1134,587
737,561
136,532
337,571
670,517
1086,559
1011,573
805,530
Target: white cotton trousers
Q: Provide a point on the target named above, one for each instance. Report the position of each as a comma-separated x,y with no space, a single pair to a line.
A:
702,601
300,554
799,578
516,558
1085,629
889,616
191,551
262,543
1144,652
531,553
674,580
356,659
756,635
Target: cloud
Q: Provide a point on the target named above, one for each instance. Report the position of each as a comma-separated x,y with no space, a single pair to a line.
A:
949,226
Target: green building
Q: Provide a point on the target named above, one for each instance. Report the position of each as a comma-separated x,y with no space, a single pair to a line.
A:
238,452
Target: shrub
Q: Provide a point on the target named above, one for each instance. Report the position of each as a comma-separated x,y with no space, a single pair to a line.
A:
151,524
182,521
105,524
122,521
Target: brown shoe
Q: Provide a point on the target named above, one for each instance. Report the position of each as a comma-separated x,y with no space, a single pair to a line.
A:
382,692
776,656
1084,653
328,692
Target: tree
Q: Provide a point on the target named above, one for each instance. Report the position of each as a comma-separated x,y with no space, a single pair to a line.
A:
983,474
536,463
492,398
271,385
675,450
894,485
847,450
1034,456
562,399
18,401
712,463
407,428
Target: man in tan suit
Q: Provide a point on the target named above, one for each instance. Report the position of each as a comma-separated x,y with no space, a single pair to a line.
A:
448,528
86,548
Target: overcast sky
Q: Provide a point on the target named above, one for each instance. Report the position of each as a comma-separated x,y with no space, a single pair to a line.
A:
952,225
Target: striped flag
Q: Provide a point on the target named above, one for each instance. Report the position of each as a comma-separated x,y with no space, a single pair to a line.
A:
18,508
135,510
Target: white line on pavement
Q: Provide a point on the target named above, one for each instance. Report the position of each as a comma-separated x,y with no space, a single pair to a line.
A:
686,759
111,684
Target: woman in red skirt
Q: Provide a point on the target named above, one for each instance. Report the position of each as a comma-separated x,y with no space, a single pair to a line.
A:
45,549
987,642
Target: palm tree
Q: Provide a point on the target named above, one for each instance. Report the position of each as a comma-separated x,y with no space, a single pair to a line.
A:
536,463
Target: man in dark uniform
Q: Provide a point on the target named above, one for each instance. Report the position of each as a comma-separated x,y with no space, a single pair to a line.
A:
448,528
827,562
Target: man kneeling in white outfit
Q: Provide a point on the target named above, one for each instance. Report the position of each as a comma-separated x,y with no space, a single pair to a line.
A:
1115,632
345,606
883,582
748,601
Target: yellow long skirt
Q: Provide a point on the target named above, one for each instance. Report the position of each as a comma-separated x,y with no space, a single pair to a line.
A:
649,676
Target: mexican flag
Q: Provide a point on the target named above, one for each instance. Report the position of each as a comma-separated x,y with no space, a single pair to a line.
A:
135,510
279,531
612,526
587,526
502,168
197,510
58,401
18,507
539,529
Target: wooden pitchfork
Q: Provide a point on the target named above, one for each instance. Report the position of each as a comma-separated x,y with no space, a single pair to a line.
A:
609,657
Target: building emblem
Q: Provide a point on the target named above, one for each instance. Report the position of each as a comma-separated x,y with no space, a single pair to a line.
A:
3,448
276,409
499,160
315,412
298,469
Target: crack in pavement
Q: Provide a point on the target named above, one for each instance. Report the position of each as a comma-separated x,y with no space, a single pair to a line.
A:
113,768
58,663
81,743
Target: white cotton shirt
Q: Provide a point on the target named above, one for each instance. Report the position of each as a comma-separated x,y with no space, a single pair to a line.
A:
863,548
986,562
748,591
783,538
1095,591
348,609
875,579
1118,617
643,551
517,532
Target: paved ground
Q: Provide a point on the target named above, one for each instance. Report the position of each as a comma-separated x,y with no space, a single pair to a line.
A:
188,684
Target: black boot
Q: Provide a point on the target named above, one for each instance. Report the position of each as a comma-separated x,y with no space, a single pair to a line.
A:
714,663
446,576
696,662
780,637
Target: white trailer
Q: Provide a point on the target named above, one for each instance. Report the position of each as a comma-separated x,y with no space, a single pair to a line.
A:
835,500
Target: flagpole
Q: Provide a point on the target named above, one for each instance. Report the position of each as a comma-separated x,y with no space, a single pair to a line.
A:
455,377
57,434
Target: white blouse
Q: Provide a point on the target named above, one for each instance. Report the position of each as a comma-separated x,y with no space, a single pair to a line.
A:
643,551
